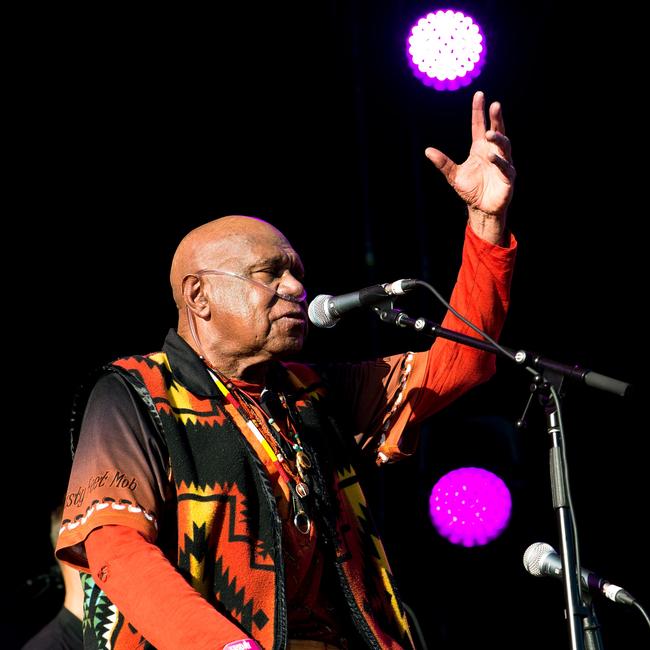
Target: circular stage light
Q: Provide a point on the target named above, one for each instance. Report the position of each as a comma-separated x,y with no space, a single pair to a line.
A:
470,506
446,49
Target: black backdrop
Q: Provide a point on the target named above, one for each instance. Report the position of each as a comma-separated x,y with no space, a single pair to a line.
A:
134,128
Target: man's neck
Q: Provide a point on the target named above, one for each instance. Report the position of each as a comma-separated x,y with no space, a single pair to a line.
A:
251,369
245,370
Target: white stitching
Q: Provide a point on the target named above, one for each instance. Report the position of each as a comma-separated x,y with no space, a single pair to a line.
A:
102,506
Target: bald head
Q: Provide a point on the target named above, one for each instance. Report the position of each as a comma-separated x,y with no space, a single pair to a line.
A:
239,324
216,244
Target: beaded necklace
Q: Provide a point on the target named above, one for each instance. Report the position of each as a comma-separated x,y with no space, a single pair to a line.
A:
297,482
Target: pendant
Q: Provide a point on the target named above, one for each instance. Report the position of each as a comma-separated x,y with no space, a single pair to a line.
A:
302,490
302,460
302,522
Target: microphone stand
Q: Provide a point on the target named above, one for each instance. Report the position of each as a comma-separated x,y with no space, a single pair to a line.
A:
584,630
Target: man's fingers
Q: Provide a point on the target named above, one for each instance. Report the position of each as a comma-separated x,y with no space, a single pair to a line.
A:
496,118
478,115
506,168
443,162
438,158
501,142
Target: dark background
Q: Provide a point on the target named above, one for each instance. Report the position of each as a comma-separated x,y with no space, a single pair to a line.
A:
132,128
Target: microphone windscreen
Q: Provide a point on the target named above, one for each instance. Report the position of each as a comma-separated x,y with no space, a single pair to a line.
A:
319,314
534,555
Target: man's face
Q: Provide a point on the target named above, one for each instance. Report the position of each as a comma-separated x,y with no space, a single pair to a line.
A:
249,320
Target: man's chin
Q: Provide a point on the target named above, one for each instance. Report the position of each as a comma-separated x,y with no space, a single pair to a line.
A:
289,346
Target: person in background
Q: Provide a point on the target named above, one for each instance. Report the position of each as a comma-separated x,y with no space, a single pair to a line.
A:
64,631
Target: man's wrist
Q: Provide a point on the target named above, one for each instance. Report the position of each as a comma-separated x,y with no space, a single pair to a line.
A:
489,227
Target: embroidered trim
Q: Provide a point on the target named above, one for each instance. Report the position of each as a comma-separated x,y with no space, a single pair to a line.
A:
108,502
407,367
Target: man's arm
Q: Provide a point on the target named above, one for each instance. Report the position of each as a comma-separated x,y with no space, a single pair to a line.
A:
119,471
385,397
401,391
152,595
111,523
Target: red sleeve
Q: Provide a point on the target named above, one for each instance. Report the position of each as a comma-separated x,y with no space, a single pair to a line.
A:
481,295
152,595
385,397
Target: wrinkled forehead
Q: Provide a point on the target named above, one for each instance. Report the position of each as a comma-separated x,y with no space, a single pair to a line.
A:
243,251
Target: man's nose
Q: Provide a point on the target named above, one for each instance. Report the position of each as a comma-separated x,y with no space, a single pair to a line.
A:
292,286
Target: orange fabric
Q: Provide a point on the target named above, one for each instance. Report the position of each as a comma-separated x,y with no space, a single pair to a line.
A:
166,610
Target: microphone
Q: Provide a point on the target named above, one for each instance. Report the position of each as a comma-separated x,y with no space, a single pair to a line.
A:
541,559
326,311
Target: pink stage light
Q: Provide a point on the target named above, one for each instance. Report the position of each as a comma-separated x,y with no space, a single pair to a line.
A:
470,506
446,49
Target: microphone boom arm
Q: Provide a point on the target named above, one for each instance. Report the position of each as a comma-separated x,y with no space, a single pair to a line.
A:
524,358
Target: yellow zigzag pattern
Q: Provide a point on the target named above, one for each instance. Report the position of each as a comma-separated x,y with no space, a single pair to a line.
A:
204,513
200,513
179,396
357,500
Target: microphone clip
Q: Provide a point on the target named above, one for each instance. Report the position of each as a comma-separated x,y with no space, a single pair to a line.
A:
387,312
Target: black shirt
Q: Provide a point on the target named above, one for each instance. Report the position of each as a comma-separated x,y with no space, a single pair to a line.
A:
63,632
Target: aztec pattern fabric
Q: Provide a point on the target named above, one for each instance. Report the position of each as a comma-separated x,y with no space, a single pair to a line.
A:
228,530
104,627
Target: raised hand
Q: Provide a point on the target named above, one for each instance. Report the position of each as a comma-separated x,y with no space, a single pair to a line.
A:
485,181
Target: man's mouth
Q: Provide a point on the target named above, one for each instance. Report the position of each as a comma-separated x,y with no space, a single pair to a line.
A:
294,318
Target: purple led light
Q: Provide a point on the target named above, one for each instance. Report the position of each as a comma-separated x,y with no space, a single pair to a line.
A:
446,49
470,506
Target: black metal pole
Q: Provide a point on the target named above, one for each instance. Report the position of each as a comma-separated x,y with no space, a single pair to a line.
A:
575,608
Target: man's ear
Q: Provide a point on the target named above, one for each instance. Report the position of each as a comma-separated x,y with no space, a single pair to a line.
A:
195,297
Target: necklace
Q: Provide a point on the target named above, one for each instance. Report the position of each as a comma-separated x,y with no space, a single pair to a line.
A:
267,398
297,483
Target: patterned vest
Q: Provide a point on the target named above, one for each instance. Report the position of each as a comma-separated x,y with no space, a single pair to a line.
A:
228,541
